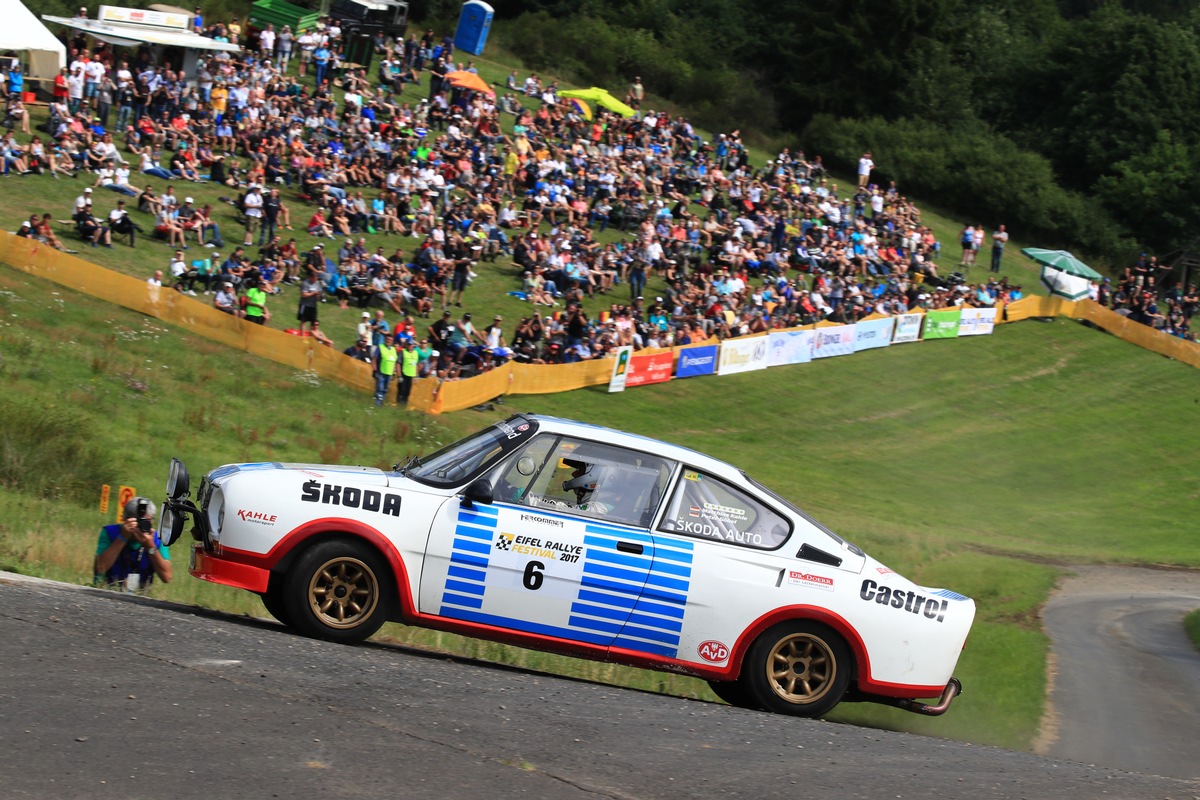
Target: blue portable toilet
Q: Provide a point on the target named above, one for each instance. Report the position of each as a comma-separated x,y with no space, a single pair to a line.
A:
473,25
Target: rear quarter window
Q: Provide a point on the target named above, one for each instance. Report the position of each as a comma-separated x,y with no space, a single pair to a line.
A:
710,508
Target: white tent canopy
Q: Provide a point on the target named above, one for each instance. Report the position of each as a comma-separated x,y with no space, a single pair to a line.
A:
23,32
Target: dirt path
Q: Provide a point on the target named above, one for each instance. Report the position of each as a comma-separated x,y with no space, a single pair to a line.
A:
1124,680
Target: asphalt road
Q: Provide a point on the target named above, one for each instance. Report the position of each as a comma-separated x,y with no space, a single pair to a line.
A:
1125,679
107,696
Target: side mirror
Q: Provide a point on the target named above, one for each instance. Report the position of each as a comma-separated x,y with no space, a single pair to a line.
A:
477,491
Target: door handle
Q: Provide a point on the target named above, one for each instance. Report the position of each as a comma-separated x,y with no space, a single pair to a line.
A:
630,547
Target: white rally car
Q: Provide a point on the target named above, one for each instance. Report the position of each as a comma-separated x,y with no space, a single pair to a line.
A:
562,536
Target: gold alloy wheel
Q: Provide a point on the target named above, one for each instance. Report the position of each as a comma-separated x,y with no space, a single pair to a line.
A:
801,668
343,592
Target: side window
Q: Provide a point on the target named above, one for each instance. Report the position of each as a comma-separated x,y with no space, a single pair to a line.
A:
591,479
519,472
710,508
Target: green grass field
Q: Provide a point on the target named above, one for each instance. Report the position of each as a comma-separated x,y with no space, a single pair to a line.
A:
985,465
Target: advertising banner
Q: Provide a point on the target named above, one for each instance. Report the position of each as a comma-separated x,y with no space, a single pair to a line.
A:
653,368
742,355
837,340
942,324
789,347
908,328
977,321
872,333
620,370
699,360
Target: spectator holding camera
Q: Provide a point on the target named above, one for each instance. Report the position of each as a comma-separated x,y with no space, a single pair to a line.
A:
131,554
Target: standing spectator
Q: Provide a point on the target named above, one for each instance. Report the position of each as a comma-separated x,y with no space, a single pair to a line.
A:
266,42
384,357
321,57
409,358
999,239
253,203
131,554
865,165
310,298
637,93
284,47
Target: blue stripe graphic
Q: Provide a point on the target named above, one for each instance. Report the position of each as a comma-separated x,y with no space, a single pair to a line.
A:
476,575
475,533
528,627
460,600
645,647
472,561
473,547
464,586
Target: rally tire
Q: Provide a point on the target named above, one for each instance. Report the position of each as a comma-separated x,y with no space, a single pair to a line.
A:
274,599
734,693
800,668
339,590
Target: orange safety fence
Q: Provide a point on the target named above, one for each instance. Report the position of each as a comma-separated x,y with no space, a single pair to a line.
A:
161,302
428,394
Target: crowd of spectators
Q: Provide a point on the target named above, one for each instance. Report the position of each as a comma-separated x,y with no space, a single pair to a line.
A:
589,207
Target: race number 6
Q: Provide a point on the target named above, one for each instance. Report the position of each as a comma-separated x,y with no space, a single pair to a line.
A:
533,577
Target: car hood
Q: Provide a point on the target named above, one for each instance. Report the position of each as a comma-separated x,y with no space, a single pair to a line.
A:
363,475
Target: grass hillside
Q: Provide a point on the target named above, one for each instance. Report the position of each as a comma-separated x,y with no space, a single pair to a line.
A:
985,465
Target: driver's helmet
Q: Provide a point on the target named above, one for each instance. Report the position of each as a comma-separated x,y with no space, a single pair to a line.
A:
586,477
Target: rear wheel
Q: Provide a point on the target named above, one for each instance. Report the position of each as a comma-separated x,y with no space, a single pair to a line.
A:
338,590
735,693
800,668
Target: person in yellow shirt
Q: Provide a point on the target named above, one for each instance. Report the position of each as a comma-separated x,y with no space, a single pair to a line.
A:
409,358
219,98
384,357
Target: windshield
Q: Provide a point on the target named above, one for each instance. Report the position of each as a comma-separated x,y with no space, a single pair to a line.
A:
465,460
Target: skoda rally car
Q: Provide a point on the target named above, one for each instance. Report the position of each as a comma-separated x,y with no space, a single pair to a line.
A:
567,537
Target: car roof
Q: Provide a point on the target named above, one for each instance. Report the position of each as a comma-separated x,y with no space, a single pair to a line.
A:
633,441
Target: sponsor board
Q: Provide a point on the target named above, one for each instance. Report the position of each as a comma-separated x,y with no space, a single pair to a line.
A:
693,361
872,333
620,372
908,328
835,340
645,369
977,321
942,324
743,354
790,347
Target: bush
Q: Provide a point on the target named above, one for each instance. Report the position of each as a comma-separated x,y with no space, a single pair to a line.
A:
51,452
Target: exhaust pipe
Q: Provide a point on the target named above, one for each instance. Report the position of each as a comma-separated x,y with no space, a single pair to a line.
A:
953,689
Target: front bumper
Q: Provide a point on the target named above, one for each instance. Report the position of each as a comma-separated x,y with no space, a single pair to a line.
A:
219,569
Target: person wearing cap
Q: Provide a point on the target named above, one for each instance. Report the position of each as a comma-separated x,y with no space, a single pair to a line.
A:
130,554
410,358
384,356
225,299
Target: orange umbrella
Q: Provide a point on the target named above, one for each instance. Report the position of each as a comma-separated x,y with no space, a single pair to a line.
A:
469,80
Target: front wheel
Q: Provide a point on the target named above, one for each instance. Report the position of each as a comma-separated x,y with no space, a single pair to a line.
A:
800,668
338,590
274,599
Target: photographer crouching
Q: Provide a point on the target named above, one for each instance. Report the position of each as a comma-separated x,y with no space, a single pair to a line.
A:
129,555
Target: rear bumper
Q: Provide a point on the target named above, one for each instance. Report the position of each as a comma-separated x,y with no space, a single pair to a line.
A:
209,567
